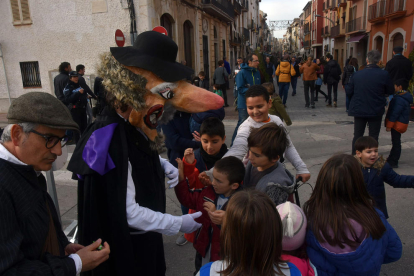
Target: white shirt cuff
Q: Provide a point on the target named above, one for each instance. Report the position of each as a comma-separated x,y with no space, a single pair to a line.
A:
78,263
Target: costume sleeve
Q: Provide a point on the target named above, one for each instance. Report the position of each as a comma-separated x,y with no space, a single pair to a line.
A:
396,180
12,259
83,84
145,219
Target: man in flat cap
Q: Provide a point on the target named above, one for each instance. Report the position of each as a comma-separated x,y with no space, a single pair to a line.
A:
31,238
399,67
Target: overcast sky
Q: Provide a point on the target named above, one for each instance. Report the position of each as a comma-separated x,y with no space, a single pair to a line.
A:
282,10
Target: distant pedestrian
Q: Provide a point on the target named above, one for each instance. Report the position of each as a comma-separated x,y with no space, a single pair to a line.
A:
397,118
349,70
270,69
80,68
367,91
399,67
348,60
228,69
319,81
99,91
277,65
220,77
61,80
309,70
77,100
294,79
285,71
201,81
236,71
331,76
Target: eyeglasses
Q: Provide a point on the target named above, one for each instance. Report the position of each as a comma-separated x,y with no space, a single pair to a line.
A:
52,141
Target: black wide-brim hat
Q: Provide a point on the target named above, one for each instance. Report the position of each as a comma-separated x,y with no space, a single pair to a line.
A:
156,53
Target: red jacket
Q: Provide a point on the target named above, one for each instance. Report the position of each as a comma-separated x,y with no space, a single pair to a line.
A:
194,199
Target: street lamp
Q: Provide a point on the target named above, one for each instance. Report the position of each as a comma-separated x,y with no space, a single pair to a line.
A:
318,15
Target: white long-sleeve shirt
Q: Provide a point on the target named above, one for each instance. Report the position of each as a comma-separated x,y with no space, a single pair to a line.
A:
240,147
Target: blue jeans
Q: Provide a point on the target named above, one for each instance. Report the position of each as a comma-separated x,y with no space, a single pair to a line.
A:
243,115
284,90
294,82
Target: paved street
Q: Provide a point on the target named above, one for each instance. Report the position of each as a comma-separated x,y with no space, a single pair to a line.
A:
317,134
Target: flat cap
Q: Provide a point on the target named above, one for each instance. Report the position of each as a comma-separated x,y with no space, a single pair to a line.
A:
41,108
398,49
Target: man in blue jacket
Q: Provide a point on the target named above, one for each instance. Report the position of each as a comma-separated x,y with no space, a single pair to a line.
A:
248,75
367,92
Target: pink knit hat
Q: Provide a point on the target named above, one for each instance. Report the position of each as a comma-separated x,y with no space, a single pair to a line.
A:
294,225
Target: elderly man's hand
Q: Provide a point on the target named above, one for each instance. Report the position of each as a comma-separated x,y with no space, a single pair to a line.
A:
72,248
91,256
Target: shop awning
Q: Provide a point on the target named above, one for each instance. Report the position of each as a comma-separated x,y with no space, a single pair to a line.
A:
356,38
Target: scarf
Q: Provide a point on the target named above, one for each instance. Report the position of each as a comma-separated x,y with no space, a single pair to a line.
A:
210,160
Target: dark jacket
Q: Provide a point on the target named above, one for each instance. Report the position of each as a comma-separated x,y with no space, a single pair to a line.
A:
346,75
367,91
398,114
83,84
296,67
60,82
203,84
375,177
365,260
24,225
247,77
332,72
227,66
220,75
178,136
399,67
200,117
74,97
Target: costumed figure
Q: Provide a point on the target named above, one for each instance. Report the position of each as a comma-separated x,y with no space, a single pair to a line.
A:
122,188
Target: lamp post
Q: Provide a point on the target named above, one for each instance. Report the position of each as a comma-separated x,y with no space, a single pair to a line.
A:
318,15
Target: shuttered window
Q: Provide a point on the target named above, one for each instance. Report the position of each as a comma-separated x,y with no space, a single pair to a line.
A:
30,74
20,12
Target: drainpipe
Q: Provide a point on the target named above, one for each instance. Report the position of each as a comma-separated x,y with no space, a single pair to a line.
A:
5,75
133,28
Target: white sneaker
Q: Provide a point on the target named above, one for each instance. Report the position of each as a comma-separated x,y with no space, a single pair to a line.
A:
181,240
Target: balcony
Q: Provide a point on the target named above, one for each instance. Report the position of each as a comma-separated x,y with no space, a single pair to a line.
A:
237,8
395,9
235,39
307,28
356,25
327,33
376,12
306,44
221,9
336,31
325,7
342,3
244,5
246,34
333,4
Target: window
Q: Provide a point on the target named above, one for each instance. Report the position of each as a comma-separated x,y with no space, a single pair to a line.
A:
30,74
20,12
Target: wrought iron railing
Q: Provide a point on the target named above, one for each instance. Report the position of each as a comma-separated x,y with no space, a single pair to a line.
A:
30,74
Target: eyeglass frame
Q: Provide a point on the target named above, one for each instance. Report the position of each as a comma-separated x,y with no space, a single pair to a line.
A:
48,137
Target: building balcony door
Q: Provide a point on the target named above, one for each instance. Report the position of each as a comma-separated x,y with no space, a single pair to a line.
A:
206,57
188,41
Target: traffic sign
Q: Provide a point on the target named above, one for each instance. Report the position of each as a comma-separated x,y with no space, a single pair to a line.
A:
160,29
119,38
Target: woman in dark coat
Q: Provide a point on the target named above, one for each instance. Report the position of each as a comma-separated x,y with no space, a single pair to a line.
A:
349,70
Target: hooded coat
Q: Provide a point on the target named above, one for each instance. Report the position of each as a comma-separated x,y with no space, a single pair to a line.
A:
332,72
398,114
247,77
285,71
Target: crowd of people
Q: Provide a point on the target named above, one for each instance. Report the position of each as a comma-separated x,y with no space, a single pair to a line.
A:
237,202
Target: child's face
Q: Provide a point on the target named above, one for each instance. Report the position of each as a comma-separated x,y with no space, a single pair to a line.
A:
201,77
368,156
259,160
258,108
212,144
221,184
397,88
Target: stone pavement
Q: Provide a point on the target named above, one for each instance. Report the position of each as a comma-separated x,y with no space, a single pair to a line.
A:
317,134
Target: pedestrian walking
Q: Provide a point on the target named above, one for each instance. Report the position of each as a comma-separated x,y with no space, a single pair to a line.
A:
294,79
367,91
236,71
220,77
228,69
31,238
61,80
270,69
80,68
319,81
285,71
349,70
399,67
309,70
331,76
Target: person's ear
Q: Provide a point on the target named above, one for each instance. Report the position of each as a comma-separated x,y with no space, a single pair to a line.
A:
17,135
234,186
358,153
224,139
275,159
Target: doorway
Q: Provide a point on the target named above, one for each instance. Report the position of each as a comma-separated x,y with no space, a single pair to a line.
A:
205,58
188,39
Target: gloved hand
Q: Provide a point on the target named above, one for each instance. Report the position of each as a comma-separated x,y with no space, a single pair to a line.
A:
171,172
189,225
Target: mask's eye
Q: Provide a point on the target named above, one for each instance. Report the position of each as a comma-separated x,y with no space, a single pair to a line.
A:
166,93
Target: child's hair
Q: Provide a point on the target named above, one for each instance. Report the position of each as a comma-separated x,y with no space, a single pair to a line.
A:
402,82
257,91
365,142
340,195
271,138
212,126
202,74
216,86
269,87
251,237
232,167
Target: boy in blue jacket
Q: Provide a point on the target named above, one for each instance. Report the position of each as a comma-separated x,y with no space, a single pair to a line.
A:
397,118
376,171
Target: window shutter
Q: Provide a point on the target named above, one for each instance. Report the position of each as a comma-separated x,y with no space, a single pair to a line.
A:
15,11
25,11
